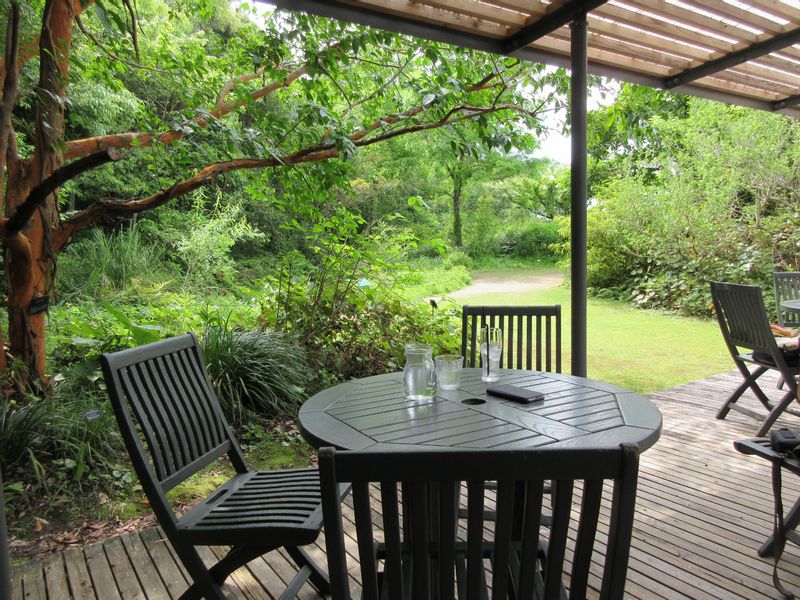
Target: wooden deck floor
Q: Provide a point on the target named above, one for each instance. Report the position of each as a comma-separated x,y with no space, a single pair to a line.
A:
702,511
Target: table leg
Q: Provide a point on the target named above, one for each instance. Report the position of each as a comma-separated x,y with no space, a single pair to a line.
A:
791,521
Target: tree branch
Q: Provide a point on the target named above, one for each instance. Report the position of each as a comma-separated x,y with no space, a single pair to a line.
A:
60,176
108,53
385,85
134,28
108,208
228,87
78,148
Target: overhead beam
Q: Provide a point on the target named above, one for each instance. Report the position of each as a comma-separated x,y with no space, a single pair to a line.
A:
564,14
388,22
779,42
787,102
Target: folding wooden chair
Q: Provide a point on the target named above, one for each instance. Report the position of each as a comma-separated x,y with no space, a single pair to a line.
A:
744,324
531,335
173,426
428,558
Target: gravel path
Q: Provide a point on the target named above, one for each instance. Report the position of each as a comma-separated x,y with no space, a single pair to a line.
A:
488,282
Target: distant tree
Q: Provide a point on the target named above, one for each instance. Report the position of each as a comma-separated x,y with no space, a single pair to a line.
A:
296,90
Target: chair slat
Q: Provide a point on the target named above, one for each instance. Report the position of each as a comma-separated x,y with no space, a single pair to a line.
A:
366,548
419,516
448,509
587,527
475,501
562,506
530,539
502,539
392,541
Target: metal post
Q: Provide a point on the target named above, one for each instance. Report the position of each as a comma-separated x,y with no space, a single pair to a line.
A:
578,185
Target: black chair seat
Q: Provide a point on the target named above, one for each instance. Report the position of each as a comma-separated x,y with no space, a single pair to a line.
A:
764,359
250,505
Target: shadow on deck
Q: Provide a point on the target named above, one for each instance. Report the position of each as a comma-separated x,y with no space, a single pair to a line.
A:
702,511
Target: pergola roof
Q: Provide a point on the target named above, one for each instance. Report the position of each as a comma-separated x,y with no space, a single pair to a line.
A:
737,51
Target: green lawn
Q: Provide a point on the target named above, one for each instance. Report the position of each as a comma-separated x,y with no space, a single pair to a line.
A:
640,350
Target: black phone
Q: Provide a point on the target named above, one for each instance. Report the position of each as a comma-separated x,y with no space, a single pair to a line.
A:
512,392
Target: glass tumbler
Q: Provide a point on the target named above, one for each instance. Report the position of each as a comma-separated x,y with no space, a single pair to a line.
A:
448,371
491,341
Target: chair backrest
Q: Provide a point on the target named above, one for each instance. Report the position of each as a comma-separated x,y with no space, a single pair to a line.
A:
787,287
430,528
743,318
5,560
528,332
168,414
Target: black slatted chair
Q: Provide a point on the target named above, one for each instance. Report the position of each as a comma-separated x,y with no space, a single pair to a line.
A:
531,335
173,426
744,325
5,560
787,287
428,558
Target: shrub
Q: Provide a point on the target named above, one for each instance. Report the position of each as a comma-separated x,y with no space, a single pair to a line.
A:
530,239
255,370
21,430
457,258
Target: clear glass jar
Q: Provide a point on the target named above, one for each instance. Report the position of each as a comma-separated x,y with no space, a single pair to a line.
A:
419,373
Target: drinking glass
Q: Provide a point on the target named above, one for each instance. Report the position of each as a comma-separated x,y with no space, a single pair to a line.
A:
448,371
491,340
419,375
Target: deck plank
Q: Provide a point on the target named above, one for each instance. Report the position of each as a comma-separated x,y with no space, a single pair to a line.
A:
145,571
55,576
80,582
702,511
33,581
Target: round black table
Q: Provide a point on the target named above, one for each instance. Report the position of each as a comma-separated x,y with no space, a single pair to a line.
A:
791,304
576,412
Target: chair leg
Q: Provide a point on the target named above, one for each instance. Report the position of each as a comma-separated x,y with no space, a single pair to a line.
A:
235,558
204,585
789,523
749,382
776,412
316,576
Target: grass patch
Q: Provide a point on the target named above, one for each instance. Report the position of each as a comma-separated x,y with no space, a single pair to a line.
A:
436,280
639,350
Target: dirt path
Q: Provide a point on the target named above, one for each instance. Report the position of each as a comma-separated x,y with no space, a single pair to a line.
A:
510,281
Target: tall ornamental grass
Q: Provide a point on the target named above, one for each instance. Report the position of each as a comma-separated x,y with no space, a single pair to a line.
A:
255,371
102,262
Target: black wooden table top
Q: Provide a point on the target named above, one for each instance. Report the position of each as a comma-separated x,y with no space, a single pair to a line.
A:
791,304
576,413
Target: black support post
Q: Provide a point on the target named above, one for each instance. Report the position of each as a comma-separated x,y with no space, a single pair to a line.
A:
578,186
